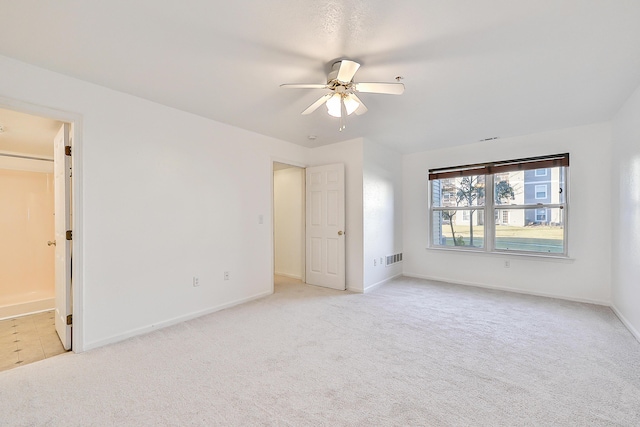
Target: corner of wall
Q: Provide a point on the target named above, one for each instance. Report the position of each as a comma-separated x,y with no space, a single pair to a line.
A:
626,322
382,212
625,185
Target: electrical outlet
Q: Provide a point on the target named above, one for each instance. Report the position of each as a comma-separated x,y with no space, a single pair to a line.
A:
380,260
196,281
507,264
375,262
226,275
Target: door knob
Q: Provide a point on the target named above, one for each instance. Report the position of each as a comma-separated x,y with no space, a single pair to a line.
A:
340,233
49,243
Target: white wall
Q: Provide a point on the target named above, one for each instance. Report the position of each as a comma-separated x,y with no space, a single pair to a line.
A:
27,263
288,211
382,212
19,164
167,195
586,277
351,154
626,215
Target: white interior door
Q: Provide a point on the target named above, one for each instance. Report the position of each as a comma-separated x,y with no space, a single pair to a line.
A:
325,219
62,179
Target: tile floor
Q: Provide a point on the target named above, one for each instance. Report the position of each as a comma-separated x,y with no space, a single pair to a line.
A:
28,339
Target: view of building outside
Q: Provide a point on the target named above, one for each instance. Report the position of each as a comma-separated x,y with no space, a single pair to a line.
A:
523,219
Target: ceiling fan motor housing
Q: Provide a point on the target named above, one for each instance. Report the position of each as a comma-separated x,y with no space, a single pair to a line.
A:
333,74
332,79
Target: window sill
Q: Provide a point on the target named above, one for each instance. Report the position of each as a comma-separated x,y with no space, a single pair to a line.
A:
481,252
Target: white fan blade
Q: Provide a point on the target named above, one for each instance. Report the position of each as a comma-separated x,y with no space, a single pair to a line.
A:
313,107
388,88
303,86
362,108
347,70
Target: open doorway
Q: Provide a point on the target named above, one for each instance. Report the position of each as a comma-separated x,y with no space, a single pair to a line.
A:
288,224
309,225
30,250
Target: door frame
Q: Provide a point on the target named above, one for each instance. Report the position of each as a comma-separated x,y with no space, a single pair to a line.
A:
75,120
304,215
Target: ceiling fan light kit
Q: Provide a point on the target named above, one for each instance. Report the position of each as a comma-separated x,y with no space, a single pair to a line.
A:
334,104
342,101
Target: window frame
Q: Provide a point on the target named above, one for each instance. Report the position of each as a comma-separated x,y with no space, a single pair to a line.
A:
544,212
489,212
535,173
535,191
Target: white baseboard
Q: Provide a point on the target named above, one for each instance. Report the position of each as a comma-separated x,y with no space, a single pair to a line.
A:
625,322
380,283
27,308
146,329
291,276
502,288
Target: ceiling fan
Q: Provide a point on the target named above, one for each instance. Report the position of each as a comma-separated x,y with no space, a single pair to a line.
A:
342,100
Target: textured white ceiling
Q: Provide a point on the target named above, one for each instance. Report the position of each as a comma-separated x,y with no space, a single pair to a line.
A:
473,69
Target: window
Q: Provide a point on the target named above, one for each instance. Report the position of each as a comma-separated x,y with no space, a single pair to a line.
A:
448,199
540,172
462,229
527,217
541,192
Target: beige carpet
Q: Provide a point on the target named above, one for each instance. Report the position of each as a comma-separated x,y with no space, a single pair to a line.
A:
410,353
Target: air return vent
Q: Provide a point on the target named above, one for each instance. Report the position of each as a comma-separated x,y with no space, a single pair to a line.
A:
393,259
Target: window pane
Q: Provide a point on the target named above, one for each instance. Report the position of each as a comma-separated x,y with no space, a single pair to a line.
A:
530,187
463,228
534,230
440,221
451,192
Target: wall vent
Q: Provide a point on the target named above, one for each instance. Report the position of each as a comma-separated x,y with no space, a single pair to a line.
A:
393,259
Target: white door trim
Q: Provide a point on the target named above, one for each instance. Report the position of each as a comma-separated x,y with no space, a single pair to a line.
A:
77,226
